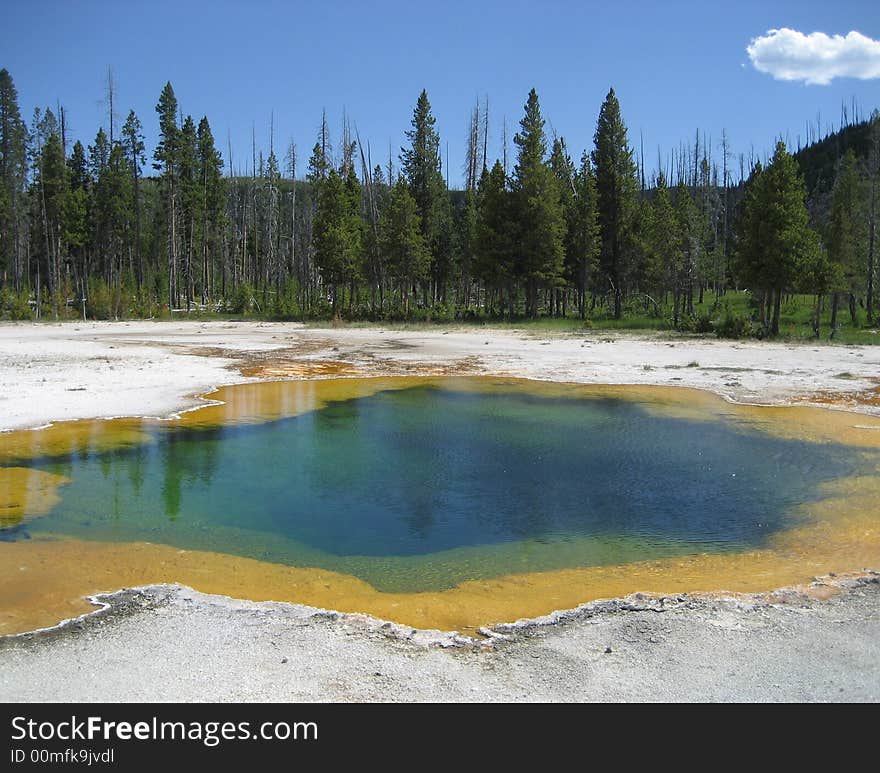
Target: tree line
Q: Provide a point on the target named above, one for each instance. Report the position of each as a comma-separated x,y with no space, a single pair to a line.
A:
105,231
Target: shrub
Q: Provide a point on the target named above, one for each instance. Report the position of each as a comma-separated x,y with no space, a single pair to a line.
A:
320,309
143,306
284,304
14,305
98,301
472,314
442,313
702,323
241,301
733,325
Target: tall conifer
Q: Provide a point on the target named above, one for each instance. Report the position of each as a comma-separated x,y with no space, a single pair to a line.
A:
166,157
540,224
13,181
617,187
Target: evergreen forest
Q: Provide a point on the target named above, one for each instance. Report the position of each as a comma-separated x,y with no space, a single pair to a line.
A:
704,241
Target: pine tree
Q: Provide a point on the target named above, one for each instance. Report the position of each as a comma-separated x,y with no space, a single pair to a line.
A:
820,275
873,209
691,233
585,241
465,244
271,211
76,207
791,244
749,233
99,158
709,258
112,215
77,217
213,198
114,218
319,167
133,142
48,193
775,240
13,181
191,191
374,263
77,167
617,189
52,186
422,169
494,239
355,237
402,242
337,233
319,163
444,268
564,171
99,154
540,224
327,232
664,248
845,234
166,156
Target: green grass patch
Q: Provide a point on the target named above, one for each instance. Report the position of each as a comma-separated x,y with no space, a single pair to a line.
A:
795,320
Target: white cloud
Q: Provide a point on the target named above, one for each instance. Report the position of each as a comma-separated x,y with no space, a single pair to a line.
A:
817,58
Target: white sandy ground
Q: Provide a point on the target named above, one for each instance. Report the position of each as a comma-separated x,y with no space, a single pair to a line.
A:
91,370
168,643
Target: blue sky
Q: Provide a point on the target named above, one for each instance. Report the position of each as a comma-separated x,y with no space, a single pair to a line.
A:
676,67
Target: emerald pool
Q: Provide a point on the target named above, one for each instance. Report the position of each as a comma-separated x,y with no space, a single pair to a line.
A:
423,487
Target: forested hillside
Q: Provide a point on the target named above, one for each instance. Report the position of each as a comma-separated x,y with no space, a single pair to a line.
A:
586,231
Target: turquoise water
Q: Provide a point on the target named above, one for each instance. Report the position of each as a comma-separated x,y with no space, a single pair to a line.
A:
421,488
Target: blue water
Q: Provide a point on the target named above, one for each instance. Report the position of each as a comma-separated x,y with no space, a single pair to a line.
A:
419,488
